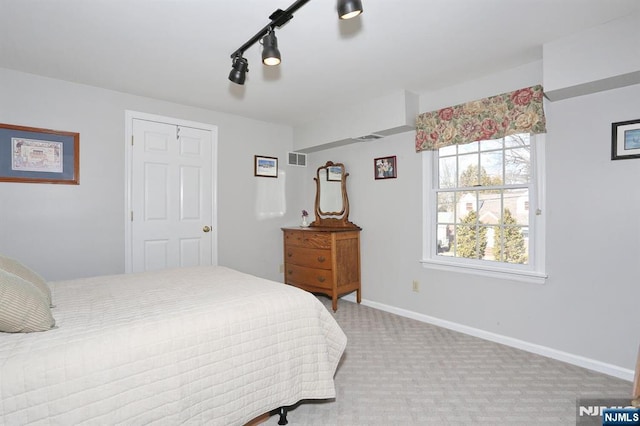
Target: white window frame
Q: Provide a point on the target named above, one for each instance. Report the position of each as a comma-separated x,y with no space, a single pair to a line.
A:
534,271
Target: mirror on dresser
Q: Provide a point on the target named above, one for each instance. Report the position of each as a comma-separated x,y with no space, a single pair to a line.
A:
332,202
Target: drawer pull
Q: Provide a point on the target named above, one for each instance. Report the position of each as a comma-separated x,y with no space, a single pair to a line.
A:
289,272
289,254
321,279
321,259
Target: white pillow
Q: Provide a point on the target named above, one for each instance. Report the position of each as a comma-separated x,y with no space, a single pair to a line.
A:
16,268
23,307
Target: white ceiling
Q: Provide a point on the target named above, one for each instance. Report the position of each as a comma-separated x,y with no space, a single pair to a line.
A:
179,50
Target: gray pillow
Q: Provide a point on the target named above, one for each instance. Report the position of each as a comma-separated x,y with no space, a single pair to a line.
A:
23,307
16,268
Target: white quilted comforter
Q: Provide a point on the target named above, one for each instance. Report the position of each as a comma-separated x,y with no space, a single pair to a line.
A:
206,345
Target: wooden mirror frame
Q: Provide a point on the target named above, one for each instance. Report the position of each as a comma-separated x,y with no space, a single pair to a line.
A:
338,219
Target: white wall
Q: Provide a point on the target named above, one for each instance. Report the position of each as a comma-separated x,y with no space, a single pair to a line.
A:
67,231
589,304
599,58
390,114
594,288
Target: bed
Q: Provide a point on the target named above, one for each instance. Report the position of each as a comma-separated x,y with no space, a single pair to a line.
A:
203,345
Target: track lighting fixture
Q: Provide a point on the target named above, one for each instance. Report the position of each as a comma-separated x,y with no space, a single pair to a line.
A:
347,9
270,52
240,70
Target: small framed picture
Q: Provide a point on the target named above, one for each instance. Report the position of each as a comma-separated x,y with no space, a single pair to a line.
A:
385,167
334,173
625,140
265,166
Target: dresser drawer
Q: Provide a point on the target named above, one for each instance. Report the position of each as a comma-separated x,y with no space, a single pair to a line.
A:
308,277
308,239
310,257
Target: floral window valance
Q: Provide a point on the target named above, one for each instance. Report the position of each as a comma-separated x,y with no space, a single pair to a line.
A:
489,118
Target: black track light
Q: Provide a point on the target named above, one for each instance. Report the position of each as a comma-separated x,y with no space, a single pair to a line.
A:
270,52
240,69
348,9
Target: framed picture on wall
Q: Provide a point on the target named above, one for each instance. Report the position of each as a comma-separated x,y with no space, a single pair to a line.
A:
385,167
33,155
265,166
625,140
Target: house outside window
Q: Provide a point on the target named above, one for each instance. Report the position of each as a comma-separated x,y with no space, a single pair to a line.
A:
477,215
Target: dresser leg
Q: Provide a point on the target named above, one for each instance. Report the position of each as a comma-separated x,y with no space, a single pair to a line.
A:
334,302
358,296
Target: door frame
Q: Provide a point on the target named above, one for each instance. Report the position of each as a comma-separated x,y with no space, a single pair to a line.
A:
128,201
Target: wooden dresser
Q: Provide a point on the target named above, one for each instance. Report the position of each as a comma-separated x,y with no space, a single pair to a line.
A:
323,260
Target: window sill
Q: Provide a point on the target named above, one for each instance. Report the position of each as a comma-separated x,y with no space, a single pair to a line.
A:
533,277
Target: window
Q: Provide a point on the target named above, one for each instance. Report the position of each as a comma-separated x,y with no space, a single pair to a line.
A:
477,207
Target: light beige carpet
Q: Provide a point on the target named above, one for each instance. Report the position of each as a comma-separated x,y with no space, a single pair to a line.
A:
398,371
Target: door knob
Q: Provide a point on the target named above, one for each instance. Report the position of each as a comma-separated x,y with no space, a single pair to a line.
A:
206,228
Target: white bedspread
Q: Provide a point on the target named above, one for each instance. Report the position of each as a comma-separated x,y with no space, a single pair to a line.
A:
205,345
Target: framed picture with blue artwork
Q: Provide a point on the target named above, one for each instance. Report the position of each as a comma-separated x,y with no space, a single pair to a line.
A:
625,140
33,155
265,166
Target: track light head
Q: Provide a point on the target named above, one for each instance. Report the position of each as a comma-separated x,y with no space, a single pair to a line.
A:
240,68
348,9
270,52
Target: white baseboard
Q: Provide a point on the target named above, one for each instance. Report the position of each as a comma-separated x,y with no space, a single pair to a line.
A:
580,361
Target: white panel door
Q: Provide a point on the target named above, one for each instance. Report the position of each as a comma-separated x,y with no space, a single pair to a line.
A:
171,196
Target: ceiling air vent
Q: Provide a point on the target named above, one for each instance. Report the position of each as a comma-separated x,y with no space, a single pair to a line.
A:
297,159
368,138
